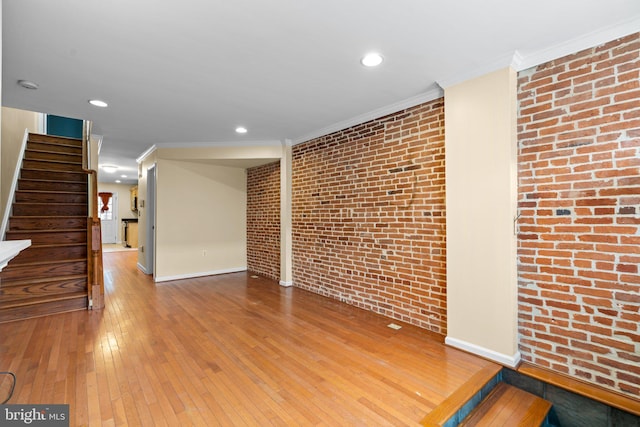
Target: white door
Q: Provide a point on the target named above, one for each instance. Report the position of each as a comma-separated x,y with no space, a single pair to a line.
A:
109,219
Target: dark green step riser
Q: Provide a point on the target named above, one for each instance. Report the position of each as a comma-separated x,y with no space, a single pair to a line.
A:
25,184
45,155
45,238
59,287
52,197
31,209
59,253
50,175
43,309
35,137
41,223
55,148
51,166
22,272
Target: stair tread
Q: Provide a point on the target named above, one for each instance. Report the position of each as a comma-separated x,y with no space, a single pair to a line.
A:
62,181
35,150
51,192
54,161
36,263
508,405
47,216
43,299
57,230
49,203
20,282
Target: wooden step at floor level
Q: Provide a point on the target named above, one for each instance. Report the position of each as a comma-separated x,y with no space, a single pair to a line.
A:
42,306
52,165
42,237
32,154
44,269
53,175
39,196
49,185
11,290
508,406
50,209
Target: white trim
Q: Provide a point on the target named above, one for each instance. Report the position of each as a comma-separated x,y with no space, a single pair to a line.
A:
503,359
146,154
201,274
141,268
508,60
14,184
219,144
586,41
286,284
421,98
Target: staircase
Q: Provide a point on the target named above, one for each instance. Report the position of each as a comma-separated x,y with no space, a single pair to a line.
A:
50,208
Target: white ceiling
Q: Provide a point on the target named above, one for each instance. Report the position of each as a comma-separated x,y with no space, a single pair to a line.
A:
191,71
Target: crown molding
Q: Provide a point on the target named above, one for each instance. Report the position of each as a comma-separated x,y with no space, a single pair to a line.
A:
146,154
586,41
421,98
508,60
221,144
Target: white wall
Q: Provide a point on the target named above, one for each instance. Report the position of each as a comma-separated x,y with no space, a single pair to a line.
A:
481,179
201,219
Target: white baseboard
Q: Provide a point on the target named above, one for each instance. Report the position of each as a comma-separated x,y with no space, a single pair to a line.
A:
286,284
199,274
142,268
503,359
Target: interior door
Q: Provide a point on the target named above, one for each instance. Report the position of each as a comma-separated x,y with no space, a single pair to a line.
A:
109,219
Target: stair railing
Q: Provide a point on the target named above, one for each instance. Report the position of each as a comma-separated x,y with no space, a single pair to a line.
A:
95,279
14,185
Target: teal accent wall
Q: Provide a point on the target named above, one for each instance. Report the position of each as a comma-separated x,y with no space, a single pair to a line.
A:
64,126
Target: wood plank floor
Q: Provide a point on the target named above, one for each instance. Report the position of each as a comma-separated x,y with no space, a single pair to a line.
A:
227,350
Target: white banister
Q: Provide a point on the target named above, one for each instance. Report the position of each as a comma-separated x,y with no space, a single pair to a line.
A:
14,184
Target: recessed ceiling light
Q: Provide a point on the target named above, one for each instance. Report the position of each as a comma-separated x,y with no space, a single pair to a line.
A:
123,176
98,103
28,85
118,181
109,168
371,59
241,129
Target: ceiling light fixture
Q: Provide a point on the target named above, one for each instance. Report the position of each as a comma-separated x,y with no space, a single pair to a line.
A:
109,168
123,176
118,181
98,103
372,59
241,129
28,85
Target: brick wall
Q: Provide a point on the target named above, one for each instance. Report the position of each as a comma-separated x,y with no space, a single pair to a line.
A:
263,220
369,218
579,200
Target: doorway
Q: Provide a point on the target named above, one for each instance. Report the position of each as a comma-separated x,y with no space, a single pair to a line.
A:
151,220
108,213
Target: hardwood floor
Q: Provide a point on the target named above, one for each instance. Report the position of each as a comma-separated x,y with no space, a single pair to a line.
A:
227,350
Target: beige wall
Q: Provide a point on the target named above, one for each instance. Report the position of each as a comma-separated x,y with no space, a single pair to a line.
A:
201,219
124,202
481,168
143,212
14,123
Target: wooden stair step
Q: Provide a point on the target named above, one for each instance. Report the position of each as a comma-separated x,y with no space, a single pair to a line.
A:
51,139
43,196
54,165
42,306
53,252
27,288
17,223
50,209
507,405
34,153
49,236
53,147
51,185
44,269
54,175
